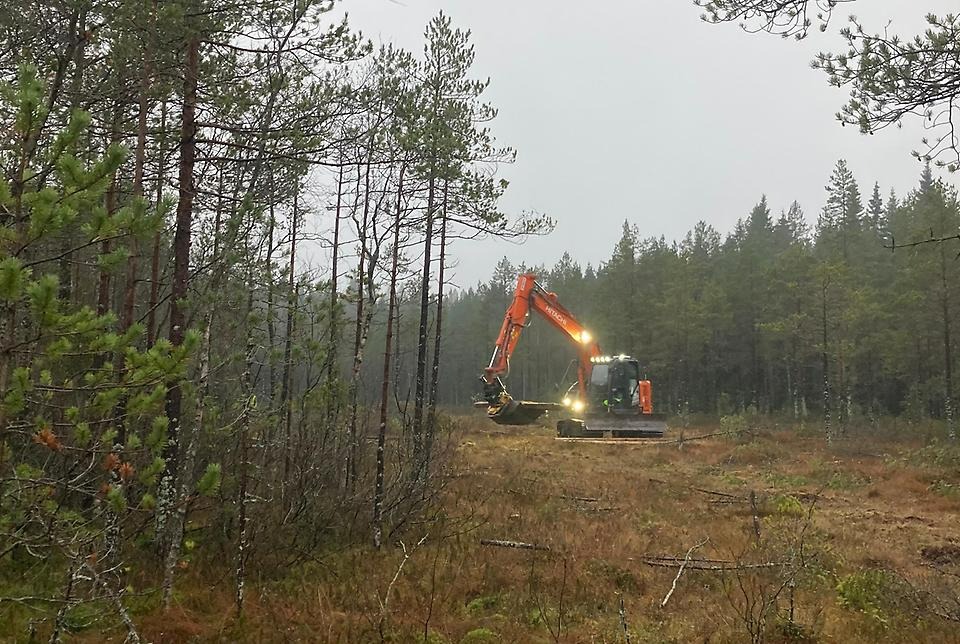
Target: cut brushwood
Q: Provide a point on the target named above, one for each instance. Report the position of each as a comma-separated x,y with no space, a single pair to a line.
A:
683,566
500,543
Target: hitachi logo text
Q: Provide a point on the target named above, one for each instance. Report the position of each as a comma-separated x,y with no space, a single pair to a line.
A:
556,315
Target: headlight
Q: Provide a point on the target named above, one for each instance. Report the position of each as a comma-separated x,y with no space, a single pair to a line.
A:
566,401
578,405
585,337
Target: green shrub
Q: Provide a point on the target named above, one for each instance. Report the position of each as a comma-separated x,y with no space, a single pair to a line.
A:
435,638
537,617
483,604
945,489
865,592
847,481
480,636
734,423
788,631
937,454
81,617
621,578
788,505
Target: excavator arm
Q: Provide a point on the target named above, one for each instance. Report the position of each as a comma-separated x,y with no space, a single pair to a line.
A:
528,297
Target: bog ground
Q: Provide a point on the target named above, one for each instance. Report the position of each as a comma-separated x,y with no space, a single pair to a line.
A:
781,538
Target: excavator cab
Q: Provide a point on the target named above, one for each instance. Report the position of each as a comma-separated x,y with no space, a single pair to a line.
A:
614,386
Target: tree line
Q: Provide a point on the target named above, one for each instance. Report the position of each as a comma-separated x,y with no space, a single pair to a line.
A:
850,319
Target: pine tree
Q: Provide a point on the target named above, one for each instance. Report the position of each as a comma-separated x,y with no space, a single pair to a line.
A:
875,209
841,216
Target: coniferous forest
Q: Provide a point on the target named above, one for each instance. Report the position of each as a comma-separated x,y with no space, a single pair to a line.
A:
237,382
835,314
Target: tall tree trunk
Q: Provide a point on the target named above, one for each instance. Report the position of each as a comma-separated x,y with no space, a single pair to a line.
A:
271,322
111,199
947,352
385,382
418,399
334,276
140,159
130,289
181,275
333,339
189,437
157,236
360,331
76,85
243,430
826,367
431,424
843,386
292,297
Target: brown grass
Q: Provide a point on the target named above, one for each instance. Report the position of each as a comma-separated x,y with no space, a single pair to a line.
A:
876,510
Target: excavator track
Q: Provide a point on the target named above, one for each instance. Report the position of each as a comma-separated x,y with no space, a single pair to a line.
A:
633,427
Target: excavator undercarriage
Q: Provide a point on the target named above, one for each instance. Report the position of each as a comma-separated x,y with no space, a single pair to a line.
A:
650,426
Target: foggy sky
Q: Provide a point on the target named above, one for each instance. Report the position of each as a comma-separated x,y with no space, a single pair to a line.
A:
640,111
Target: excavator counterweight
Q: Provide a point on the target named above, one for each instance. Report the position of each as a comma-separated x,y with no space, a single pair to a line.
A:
611,400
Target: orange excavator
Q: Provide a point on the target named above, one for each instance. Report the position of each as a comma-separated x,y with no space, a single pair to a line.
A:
609,399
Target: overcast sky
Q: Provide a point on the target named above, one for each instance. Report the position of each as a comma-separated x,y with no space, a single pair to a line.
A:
640,111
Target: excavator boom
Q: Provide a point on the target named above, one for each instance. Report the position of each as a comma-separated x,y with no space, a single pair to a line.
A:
529,297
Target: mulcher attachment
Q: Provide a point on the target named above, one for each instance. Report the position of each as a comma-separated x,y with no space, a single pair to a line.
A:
504,410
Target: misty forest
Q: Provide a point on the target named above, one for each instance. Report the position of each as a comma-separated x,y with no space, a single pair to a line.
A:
244,396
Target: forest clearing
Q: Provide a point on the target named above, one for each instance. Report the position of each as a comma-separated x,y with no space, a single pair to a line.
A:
256,264
875,520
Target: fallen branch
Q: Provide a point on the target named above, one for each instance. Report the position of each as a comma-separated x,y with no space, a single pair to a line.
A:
678,560
724,495
727,501
585,499
500,543
385,602
684,439
683,566
730,565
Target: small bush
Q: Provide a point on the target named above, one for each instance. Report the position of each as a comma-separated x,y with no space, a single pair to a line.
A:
623,579
945,489
788,631
847,481
865,592
435,638
537,617
736,423
937,454
480,636
483,604
788,505
755,453
81,617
